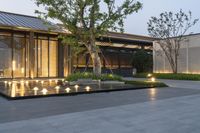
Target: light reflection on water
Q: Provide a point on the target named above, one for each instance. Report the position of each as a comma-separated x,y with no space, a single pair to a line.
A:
153,94
34,88
30,88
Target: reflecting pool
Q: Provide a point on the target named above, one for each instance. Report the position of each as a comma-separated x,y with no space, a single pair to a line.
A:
38,88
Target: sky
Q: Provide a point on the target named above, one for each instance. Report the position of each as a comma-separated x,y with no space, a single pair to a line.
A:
134,24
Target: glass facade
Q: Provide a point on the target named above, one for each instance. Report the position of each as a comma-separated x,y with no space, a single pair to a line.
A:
5,56
17,57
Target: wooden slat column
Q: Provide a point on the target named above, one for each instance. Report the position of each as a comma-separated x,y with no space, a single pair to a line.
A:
60,59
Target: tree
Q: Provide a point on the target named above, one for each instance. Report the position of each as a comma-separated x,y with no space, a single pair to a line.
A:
87,20
142,61
170,29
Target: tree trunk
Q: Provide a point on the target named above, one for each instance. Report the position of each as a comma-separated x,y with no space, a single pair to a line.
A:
96,63
94,54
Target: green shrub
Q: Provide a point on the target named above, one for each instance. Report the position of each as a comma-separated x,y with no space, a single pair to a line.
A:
171,76
86,75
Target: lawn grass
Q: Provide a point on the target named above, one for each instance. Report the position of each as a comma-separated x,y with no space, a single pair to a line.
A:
147,83
195,77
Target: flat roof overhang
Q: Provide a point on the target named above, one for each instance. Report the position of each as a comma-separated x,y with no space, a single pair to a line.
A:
125,41
26,29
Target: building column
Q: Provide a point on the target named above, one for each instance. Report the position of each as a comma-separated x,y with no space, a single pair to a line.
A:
32,55
187,57
60,59
70,62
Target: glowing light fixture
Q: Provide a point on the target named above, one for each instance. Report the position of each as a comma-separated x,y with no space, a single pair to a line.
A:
22,70
27,82
44,91
76,87
56,81
5,82
35,88
42,82
37,81
67,89
22,81
87,88
9,83
149,75
153,79
57,89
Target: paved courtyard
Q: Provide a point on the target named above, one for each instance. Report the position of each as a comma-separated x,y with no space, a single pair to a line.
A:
156,110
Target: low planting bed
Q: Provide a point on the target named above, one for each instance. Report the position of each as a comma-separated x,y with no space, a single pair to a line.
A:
195,77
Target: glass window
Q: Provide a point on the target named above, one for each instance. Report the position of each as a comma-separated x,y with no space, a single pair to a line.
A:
42,58
53,58
18,62
5,57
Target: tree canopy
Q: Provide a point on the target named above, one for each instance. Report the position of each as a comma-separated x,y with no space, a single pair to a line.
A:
87,20
169,29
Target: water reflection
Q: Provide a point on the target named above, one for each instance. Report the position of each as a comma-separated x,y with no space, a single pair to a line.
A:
153,93
24,88
13,90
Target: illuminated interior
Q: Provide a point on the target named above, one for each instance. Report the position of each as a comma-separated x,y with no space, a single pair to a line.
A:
15,55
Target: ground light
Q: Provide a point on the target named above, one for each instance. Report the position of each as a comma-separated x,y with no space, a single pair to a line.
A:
57,89
149,75
35,90
87,88
76,87
153,79
44,91
67,89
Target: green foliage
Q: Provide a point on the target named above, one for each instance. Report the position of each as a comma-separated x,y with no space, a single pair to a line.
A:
87,20
147,84
86,75
170,24
179,76
142,61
